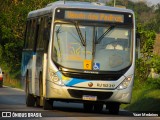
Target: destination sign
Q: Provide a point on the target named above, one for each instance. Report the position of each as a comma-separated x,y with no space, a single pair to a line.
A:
92,16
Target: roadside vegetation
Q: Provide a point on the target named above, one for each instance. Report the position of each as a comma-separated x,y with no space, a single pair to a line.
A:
146,89
15,83
12,29
145,96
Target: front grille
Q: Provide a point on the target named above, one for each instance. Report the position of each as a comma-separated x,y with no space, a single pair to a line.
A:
80,93
92,76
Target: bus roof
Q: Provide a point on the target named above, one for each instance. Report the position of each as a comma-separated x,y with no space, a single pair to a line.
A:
70,4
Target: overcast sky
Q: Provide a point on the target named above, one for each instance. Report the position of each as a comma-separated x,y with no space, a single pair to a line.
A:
148,1
153,1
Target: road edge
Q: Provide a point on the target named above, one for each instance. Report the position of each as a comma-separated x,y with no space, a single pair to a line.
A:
13,88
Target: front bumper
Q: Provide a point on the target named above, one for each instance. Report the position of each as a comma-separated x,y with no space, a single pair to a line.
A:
74,93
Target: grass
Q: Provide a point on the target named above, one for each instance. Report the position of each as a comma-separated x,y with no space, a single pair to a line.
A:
145,97
12,82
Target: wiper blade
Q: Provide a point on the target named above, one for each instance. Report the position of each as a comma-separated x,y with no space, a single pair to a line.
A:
80,34
104,34
57,36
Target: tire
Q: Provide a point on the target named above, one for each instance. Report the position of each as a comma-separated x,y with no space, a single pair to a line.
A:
30,99
39,98
88,107
114,108
38,101
98,107
47,104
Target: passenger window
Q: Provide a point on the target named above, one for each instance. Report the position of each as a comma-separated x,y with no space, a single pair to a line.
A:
40,35
27,36
47,29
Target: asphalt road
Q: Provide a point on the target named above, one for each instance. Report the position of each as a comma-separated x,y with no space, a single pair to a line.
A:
13,100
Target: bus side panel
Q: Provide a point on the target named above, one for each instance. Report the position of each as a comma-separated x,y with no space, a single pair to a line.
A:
44,74
26,68
40,71
33,74
39,58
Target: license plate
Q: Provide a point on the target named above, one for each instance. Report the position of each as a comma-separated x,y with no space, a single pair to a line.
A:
89,97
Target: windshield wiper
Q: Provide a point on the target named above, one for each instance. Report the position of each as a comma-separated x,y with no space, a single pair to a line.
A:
94,43
104,34
80,34
58,40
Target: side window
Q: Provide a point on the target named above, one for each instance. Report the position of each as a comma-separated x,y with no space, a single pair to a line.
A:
42,36
32,35
43,33
40,43
46,34
27,34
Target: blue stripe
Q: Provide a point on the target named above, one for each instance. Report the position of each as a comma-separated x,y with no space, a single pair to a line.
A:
74,81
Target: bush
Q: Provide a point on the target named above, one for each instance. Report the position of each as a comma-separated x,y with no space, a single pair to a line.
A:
146,62
142,70
153,83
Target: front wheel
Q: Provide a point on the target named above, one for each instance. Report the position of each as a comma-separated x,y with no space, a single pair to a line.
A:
114,108
47,104
98,107
88,107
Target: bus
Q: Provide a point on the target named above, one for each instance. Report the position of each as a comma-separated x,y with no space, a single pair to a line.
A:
79,52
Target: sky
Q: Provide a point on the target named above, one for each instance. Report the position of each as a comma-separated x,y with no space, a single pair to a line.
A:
153,1
150,2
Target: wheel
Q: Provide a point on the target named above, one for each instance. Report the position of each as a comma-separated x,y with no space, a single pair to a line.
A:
88,107
114,108
30,99
39,99
98,107
47,104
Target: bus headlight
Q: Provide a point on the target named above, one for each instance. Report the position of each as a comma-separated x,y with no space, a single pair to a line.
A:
55,78
125,83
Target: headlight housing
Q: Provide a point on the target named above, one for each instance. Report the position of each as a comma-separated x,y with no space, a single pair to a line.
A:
125,83
55,77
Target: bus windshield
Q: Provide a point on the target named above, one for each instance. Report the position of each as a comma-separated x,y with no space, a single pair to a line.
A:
100,48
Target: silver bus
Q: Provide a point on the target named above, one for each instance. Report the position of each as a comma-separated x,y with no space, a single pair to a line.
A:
79,52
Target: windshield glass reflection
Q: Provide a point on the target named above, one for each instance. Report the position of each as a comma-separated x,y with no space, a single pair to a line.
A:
96,50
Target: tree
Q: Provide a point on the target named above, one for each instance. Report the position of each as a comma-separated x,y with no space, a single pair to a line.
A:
157,11
145,63
12,27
